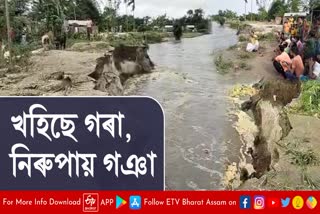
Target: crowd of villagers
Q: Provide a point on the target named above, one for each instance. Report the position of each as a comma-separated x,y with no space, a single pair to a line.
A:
298,53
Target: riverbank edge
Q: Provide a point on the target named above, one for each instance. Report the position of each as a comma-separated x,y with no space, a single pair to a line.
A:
288,173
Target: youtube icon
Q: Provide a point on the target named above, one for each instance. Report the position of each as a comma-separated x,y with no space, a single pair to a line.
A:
273,202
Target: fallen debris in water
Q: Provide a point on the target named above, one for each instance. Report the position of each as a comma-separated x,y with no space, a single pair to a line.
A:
118,65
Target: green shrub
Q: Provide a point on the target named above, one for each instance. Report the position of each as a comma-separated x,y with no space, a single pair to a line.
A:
309,100
233,47
245,55
244,66
267,37
222,65
242,38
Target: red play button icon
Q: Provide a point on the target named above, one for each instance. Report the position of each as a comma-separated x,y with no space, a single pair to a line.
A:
273,202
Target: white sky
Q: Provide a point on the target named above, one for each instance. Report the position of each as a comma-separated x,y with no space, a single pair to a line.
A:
178,8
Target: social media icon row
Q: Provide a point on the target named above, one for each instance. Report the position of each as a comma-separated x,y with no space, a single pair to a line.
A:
259,202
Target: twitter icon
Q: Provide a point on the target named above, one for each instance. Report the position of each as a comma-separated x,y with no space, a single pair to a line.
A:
285,202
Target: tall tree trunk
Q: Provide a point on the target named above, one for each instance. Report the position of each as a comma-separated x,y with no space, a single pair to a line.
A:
8,29
127,18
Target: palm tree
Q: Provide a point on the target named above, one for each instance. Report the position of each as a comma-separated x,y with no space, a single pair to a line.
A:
245,8
132,4
190,13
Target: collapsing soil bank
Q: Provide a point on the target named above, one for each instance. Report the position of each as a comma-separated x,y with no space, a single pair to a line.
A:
272,121
263,127
67,73
117,66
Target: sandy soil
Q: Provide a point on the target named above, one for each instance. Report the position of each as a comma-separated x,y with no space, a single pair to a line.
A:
38,79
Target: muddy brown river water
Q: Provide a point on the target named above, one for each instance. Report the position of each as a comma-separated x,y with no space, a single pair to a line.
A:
199,134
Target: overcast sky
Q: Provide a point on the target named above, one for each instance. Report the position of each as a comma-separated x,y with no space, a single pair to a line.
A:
178,8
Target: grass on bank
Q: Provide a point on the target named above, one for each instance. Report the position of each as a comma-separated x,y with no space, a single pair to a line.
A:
129,39
20,57
267,37
222,65
309,100
235,24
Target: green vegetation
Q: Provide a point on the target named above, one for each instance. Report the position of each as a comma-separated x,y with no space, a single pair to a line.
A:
222,65
137,38
242,38
31,19
233,47
227,14
177,31
130,39
245,55
303,158
267,37
237,25
244,66
300,154
221,20
309,182
265,13
309,101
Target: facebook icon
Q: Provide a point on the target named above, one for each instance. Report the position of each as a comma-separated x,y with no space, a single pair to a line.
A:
245,202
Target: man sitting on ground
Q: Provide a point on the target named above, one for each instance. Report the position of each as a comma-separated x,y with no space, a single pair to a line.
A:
314,69
253,45
297,67
282,62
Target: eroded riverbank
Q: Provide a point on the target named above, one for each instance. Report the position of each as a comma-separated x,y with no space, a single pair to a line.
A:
279,150
202,124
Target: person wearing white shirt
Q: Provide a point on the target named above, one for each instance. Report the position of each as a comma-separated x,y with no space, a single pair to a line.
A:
314,69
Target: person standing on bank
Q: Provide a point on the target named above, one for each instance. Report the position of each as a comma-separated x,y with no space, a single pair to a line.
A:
89,29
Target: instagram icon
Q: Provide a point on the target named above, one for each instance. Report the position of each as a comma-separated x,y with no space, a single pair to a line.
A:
259,202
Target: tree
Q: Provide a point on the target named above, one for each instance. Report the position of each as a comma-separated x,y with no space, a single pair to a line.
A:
177,31
228,14
278,8
132,4
54,12
221,20
264,3
199,13
294,5
108,19
263,14
161,21
190,13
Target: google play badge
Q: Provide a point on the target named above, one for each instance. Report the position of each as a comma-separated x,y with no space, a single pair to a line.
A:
311,202
120,202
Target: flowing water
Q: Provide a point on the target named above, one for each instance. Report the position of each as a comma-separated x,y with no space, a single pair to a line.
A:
199,134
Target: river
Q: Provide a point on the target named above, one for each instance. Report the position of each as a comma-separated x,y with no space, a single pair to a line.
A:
200,139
